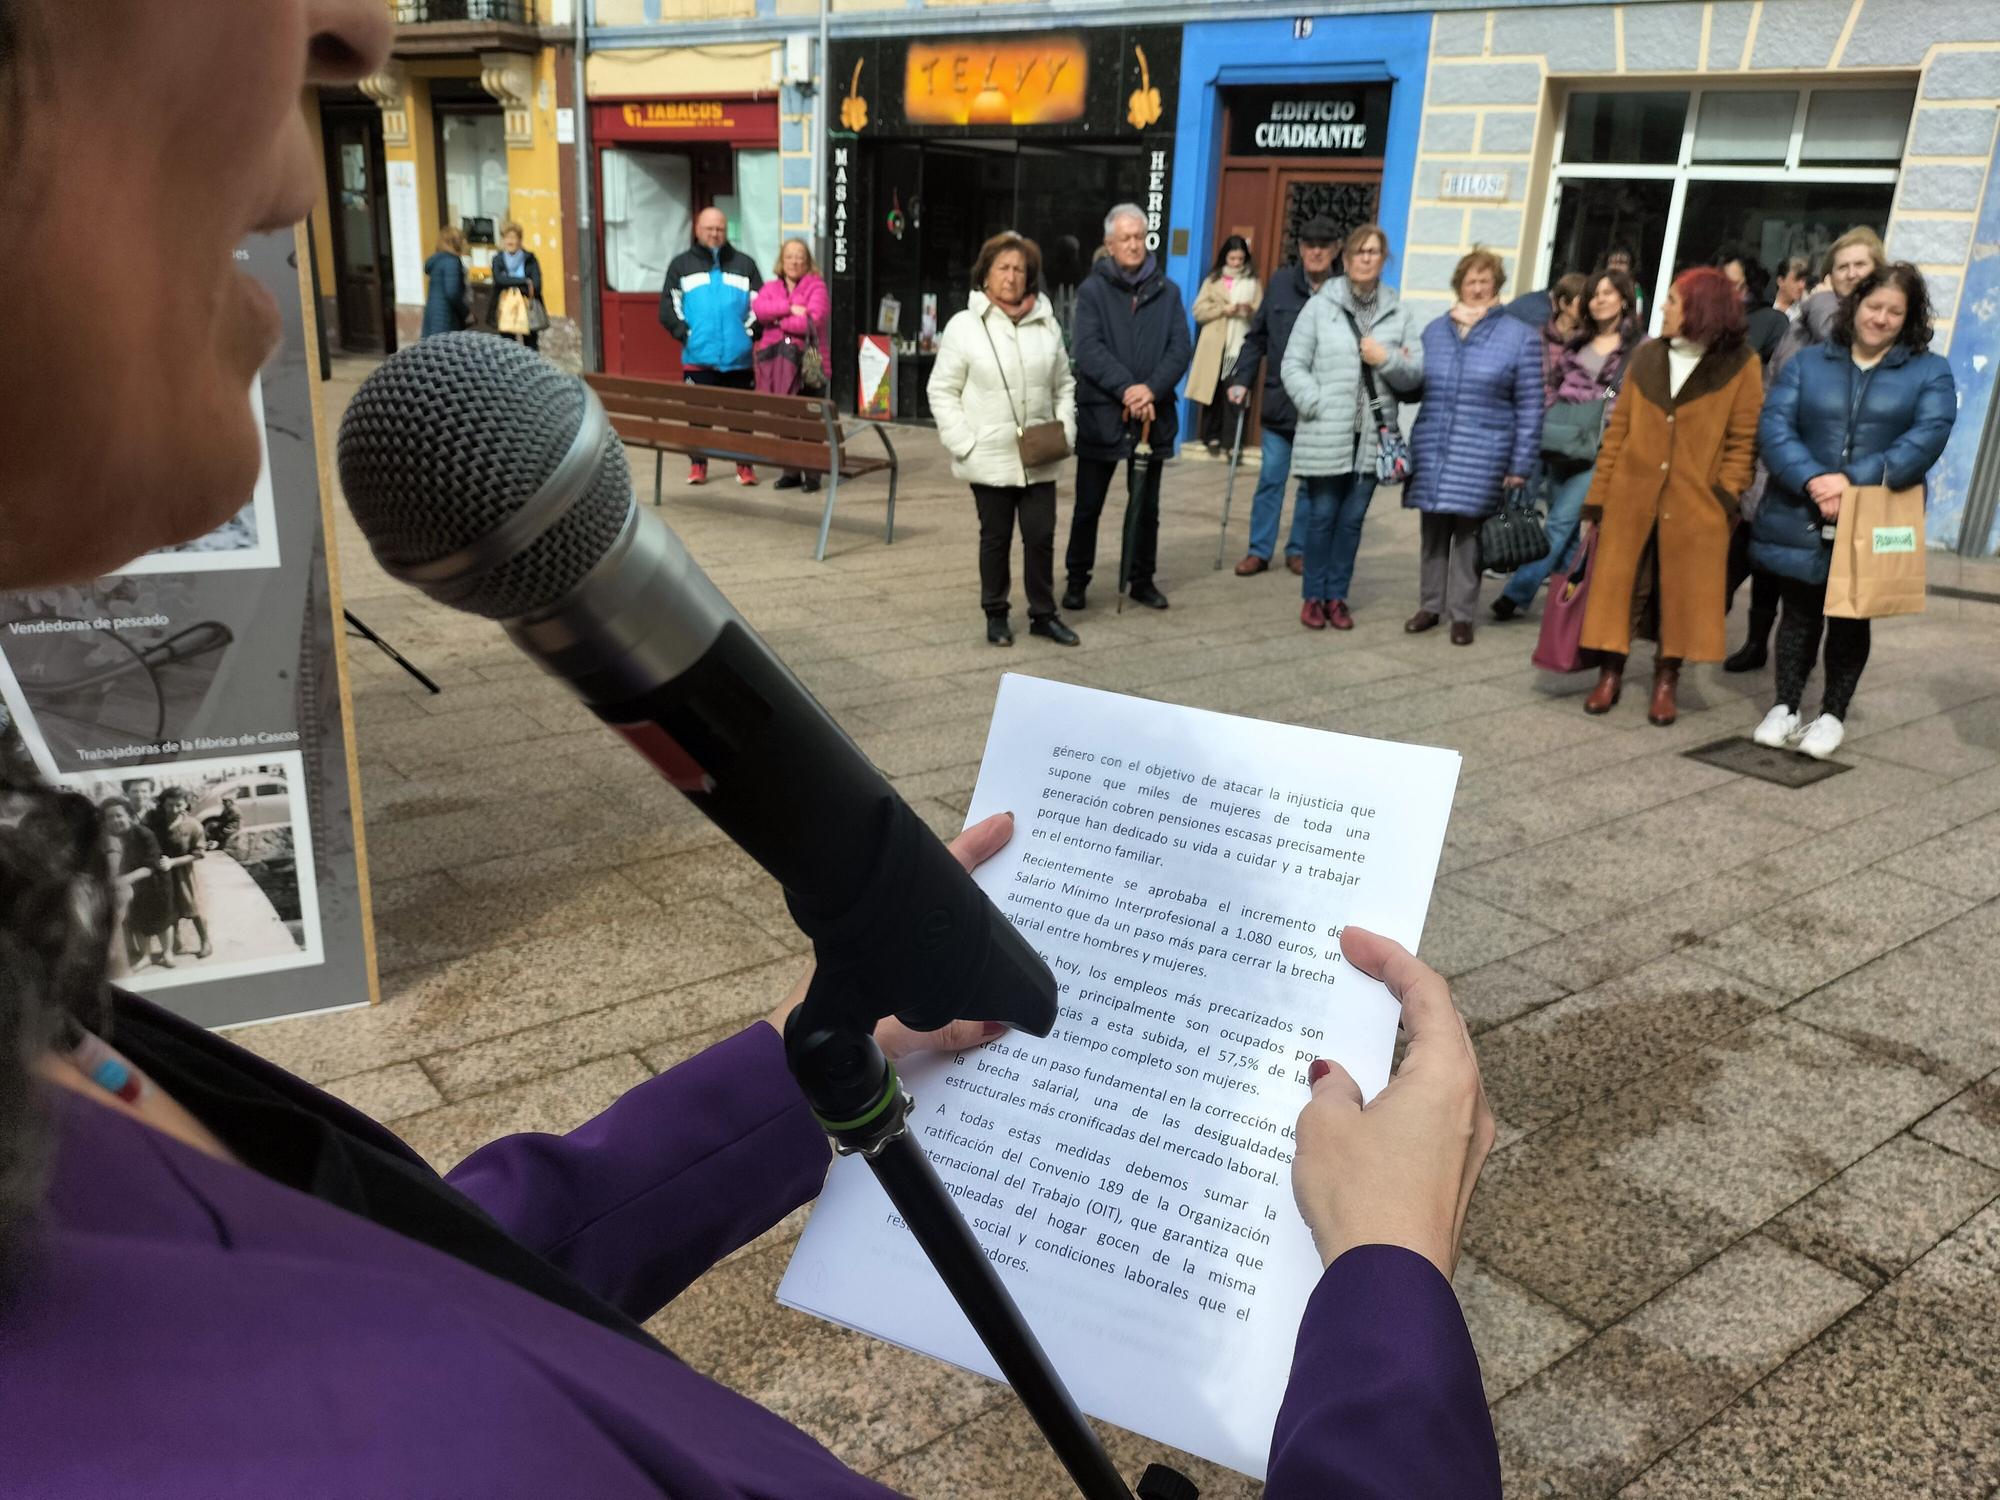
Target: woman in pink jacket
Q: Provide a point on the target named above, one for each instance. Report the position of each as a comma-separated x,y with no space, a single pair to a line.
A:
793,312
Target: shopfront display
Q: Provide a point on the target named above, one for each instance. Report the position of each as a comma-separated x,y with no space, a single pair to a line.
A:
659,163
940,142
1676,174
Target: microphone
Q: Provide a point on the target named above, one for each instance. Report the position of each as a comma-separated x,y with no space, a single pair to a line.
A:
491,480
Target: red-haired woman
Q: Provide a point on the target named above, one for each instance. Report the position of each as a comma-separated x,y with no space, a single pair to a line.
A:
1678,453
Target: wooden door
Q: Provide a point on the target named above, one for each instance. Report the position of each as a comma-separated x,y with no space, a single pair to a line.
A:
357,196
635,342
1349,198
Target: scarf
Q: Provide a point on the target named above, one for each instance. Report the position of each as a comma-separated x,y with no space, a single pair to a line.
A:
1465,319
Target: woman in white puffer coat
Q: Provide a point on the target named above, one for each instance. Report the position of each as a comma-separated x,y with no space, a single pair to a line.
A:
1002,368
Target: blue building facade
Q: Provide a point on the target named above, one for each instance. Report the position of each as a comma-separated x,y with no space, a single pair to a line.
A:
1232,66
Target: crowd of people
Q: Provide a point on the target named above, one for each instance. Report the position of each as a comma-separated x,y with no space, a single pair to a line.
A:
1677,465
1680,465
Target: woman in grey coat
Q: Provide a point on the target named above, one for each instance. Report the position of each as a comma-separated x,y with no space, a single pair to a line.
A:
1352,322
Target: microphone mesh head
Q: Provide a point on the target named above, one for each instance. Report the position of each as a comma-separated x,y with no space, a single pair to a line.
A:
449,437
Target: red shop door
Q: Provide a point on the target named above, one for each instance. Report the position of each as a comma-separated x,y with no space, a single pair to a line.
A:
650,196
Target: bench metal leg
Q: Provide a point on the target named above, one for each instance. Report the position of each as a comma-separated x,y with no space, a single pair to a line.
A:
826,520
659,468
889,530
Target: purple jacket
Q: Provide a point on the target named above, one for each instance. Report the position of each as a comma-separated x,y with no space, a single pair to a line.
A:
1482,414
195,1329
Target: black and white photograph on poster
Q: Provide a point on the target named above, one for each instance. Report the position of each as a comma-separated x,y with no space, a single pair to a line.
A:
17,763
213,862
117,670
23,755
248,539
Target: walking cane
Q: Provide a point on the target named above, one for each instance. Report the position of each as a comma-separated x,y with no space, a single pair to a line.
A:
1235,461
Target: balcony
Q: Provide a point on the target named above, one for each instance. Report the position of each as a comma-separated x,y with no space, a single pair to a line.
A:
464,28
431,12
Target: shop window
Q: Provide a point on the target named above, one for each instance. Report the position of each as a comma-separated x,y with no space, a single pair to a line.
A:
1856,127
647,216
1595,214
1745,129
1776,219
474,150
1639,129
752,209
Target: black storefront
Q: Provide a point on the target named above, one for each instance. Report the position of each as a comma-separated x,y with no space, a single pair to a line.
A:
939,142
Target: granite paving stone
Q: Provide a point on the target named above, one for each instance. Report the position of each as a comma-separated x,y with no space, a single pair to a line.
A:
641,1025
1516,1333
1887,1209
1604,1208
1931,1002
1804,943
1969,1124
1497,992
1616,1404
1900,1399
1590,876
1589,1044
389,1093
1966,860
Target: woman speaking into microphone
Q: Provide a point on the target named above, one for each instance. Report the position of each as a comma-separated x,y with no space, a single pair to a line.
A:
217,1281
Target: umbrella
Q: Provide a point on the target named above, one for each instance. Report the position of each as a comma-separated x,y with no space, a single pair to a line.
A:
1235,461
1136,490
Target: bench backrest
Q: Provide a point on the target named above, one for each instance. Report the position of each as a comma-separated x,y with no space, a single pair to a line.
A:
757,424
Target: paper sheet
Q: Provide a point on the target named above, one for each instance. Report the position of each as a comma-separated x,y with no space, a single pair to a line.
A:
1186,874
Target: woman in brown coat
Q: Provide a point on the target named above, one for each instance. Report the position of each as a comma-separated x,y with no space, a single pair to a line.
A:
1679,450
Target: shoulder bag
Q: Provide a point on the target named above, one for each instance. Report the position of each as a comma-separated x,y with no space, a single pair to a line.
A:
1042,444
1514,536
1392,449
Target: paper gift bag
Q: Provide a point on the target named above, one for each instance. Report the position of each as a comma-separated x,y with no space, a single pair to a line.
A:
513,316
1877,567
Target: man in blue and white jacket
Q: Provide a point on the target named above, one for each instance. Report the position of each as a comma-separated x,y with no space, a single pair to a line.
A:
705,305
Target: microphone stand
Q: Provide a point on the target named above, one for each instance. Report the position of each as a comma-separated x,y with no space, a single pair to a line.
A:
860,1101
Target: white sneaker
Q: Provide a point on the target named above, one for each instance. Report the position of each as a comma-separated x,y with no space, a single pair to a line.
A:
1822,737
1779,726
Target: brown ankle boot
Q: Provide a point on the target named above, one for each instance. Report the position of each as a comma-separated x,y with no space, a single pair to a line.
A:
1609,682
1666,678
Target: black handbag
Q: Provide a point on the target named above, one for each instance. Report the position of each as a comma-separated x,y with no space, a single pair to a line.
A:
1515,535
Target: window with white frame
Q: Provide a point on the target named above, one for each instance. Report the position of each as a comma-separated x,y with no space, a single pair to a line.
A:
1676,176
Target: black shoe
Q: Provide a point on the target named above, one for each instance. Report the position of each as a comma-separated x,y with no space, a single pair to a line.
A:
810,484
1073,595
1051,627
1146,594
789,482
1750,658
1504,608
998,631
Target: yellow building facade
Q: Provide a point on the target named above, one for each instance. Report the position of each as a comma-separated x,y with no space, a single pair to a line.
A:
461,128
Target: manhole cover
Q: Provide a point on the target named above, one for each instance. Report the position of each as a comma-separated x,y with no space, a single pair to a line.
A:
1748,758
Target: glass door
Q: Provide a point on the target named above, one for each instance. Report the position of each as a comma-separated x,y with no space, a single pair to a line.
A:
359,225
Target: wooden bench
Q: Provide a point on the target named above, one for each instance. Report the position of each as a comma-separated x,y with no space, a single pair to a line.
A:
750,427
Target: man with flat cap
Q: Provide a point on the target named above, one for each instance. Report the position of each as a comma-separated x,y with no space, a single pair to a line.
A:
1291,288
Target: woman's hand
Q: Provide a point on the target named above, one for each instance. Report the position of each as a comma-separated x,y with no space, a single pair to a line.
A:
971,849
1238,394
1373,351
1825,490
1399,1171
798,310
1240,310
1514,482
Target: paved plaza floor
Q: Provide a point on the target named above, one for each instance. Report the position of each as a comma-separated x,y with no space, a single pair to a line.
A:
1741,1235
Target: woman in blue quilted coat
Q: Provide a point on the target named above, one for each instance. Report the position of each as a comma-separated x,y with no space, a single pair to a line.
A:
1478,432
1871,405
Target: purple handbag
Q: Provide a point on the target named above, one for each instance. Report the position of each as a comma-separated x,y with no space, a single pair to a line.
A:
1560,647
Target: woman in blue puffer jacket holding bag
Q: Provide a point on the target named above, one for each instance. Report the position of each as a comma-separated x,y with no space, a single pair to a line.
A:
1479,432
1872,405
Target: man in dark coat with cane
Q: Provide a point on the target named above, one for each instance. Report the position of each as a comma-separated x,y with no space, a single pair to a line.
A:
1131,343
